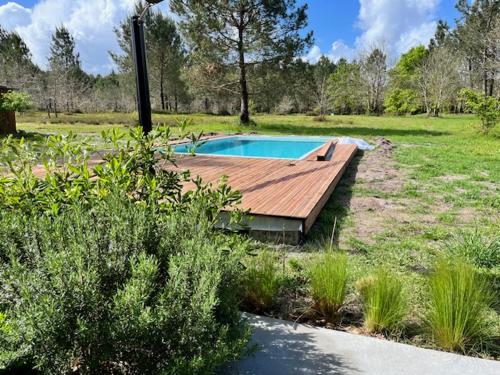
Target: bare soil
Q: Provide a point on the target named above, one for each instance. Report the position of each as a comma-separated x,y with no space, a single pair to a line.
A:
379,202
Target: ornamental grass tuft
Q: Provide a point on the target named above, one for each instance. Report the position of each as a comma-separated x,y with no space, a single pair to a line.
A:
384,301
261,281
328,277
458,308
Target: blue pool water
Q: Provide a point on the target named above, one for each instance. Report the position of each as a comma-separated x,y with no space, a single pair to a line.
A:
264,147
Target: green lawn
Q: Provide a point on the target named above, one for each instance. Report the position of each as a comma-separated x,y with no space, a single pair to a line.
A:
394,207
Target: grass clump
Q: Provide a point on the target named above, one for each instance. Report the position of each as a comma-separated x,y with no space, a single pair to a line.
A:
261,281
384,301
471,245
328,277
459,301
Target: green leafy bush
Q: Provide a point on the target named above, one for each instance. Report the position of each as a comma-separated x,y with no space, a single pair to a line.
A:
402,102
14,101
486,107
480,250
120,288
133,167
384,301
458,306
261,281
112,268
328,277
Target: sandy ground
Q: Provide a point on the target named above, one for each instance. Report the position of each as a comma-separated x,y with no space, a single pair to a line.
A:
382,206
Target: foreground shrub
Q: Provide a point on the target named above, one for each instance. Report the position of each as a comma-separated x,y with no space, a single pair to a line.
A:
120,289
261,281
384,302
459,299
113,269
328,275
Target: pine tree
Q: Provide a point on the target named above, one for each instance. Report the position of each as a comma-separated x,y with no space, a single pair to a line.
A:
344,88
477,36
17,69
67,79
374,76
321,73
441,36
234,34
165,54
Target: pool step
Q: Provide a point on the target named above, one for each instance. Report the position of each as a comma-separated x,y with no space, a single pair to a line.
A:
326,151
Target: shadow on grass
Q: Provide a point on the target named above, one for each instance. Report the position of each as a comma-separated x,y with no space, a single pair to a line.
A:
28,136
338,206
353,130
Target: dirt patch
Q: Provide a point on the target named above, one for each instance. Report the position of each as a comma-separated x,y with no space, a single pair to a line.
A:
368,204
467,215
453,177
377,170
378,206
490,187
376,173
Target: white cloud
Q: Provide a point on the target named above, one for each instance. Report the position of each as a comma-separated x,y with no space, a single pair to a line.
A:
340,50
13,14
313,55
397,25
90,21
337,51
418,35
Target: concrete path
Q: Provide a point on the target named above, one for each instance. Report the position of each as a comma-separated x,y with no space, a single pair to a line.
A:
288,349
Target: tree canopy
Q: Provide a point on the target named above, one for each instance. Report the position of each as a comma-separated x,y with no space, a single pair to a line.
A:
237,33
233,57
67,80
166,57
477,34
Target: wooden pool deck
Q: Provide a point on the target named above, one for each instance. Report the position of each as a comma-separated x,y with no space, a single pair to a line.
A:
281,195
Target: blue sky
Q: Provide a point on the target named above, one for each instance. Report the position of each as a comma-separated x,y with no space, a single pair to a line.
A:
342,28
338,19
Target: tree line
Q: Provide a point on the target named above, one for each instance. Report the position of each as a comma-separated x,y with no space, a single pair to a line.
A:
229,57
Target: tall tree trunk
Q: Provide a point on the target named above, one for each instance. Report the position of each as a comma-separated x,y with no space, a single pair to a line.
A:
244,113
175,100
491,84
206,105
485,83
471,81
162,95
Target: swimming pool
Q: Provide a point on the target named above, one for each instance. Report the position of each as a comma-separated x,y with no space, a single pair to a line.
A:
292,147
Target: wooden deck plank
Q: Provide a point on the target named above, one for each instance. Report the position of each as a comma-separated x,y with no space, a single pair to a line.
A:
296,189
320,203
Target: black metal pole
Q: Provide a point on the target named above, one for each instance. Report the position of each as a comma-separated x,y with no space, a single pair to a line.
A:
141,73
